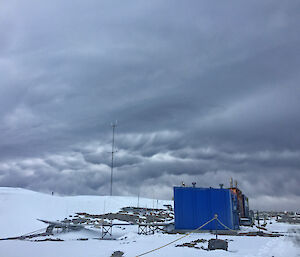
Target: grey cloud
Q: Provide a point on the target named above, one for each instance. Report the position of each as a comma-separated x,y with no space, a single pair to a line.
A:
201,91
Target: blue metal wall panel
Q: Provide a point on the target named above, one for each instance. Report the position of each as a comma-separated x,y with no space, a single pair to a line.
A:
195,206
235,212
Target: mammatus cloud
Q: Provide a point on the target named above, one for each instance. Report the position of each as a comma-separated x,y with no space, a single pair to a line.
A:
202,92
86,170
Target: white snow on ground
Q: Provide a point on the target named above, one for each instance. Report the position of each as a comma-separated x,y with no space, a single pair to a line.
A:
20,208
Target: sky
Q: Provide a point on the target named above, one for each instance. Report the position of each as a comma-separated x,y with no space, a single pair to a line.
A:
202,91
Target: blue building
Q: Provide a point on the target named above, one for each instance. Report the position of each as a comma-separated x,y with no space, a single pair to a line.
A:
194,206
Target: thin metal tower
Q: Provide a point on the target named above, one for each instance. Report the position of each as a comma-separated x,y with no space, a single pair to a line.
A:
113,125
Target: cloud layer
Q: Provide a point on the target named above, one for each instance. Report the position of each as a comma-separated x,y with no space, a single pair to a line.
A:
202,91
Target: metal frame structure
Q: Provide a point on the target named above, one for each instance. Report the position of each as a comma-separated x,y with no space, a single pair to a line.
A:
151,228
106,230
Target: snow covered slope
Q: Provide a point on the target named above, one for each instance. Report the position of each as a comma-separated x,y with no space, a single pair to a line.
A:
20,208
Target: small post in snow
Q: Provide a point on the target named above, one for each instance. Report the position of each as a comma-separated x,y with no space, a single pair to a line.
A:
216,222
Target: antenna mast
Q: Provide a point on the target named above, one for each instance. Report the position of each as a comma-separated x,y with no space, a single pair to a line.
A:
113,125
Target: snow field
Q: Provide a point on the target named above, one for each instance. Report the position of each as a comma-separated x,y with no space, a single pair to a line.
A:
20,208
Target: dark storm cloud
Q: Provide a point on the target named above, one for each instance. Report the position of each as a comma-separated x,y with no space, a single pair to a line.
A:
202,91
